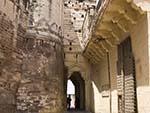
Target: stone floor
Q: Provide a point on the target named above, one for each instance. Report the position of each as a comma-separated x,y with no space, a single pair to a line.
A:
72,111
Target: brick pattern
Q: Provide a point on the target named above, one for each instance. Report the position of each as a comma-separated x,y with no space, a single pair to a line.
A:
31,67
6,30
9,66
40,90
120,84
130,101
21,31
126,81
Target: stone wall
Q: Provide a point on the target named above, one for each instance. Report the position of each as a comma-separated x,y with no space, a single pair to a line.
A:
31,62
139,38
48,10
100,87
10,54
41,85
74,13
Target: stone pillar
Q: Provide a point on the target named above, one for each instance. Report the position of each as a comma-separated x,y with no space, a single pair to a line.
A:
143,91
87,94
148,19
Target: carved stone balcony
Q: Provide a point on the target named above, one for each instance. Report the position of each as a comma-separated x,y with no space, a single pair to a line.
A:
103,29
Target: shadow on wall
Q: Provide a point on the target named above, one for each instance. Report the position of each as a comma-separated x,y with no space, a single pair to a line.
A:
100,88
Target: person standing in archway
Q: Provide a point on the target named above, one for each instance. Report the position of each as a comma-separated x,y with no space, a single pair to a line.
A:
68,102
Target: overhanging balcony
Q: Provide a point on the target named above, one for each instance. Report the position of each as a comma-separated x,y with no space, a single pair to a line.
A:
104,27
90,21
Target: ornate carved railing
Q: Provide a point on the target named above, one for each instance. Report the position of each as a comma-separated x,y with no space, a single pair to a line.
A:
91,19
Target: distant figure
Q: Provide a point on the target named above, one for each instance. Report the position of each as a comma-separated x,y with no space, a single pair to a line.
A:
77,103
68,102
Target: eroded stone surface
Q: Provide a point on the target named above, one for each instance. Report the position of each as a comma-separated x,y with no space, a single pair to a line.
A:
31,63
40,83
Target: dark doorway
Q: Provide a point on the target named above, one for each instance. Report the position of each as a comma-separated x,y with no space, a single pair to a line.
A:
127,81
79,97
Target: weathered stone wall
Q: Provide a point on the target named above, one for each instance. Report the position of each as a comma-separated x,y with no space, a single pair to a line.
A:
31,66
74,13
140,44
100,87
48,10
41,86
10,67
10,54
139,38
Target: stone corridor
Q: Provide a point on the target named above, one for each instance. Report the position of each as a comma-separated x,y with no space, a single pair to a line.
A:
101,46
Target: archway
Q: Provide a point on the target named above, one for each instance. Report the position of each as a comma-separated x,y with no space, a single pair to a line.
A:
70,95
79,84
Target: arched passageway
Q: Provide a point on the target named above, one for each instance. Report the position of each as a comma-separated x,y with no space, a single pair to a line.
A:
79,84
70,95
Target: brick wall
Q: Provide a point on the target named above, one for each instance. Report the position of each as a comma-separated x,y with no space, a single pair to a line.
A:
40,89
10,56
31,67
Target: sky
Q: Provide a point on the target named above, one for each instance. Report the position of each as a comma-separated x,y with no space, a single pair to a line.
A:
70,87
